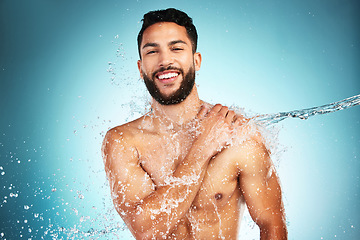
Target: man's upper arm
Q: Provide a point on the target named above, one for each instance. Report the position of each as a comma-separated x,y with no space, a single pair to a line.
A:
129,183
260,185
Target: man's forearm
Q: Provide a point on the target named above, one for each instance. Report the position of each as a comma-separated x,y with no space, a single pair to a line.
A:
159,213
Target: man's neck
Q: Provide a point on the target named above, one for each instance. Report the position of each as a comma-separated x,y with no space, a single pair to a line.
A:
178,114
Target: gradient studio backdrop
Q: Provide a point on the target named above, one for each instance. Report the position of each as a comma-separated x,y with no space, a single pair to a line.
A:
68,73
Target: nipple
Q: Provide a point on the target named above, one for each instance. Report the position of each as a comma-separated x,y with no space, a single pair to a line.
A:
218,196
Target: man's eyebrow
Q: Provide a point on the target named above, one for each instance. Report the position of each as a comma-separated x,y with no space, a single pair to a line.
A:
176,42
150,45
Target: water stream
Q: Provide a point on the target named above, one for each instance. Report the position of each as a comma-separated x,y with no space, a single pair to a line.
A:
270,119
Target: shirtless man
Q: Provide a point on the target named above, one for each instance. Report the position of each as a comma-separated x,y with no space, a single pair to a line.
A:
185,169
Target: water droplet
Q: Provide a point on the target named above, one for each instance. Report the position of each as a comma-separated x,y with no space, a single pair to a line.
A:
26,207
76,211
53,190
14,195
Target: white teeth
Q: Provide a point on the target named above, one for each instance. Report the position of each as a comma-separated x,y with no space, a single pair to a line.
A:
167,75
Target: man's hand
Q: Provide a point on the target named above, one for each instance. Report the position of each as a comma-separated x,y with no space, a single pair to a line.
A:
216,127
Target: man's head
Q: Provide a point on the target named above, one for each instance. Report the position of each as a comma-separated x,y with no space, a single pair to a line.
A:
168,57
169,15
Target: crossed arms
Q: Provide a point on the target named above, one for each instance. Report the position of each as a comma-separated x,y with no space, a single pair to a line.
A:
148,210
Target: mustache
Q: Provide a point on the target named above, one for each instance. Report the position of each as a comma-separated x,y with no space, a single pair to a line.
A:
166,69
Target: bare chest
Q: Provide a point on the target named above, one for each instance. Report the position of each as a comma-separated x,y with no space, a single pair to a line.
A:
161,154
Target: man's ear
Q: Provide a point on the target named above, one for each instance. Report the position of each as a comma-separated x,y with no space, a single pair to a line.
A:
197,61
139,63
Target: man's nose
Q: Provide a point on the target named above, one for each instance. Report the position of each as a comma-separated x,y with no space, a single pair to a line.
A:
166,58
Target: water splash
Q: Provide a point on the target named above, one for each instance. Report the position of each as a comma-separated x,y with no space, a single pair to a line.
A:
75,232
270,119
265,119
53,221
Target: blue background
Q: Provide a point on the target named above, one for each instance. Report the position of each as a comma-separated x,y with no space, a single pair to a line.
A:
68,73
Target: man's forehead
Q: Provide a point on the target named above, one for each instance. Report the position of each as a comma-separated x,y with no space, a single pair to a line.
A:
165,32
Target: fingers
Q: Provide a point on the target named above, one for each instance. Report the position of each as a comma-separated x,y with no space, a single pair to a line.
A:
238,121
203,111
224,111
229,115
217,108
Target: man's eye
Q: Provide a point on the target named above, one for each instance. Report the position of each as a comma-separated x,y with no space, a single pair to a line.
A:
177,49
151,52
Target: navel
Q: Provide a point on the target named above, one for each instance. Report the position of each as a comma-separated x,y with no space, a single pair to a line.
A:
218,196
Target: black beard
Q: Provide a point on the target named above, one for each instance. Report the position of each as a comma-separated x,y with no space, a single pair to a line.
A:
179,95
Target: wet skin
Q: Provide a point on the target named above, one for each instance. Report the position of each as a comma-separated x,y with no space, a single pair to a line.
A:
173,173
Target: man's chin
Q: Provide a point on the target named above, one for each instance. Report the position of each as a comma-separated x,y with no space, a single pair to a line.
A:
168,99
173,93
168,94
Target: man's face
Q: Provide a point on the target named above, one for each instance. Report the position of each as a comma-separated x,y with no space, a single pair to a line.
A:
167,63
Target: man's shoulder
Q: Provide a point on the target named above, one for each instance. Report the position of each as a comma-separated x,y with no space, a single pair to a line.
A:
129,133
125,131
250,139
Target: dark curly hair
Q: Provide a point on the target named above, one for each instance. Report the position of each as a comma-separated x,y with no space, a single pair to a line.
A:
169,15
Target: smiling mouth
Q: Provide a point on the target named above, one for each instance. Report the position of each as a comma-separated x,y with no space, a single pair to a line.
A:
167,77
